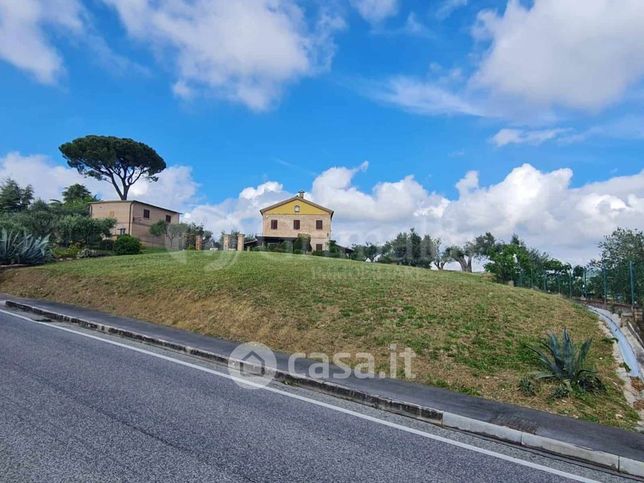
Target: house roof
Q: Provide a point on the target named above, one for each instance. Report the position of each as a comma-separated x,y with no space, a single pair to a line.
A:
134,201
296,198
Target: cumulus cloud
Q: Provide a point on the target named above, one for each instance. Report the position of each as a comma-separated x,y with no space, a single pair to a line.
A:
375,11
244,51
536,60
24,39
562,52
542,207
176,188
522,136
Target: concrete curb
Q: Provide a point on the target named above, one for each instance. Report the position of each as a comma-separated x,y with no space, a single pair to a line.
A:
423,413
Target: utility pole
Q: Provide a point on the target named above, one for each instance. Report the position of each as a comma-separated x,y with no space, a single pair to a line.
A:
632,277
584,287
604,276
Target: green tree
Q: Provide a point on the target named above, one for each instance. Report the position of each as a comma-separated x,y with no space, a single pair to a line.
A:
121,161
160,228
177,231
441,257
619,250
13,198
76,200
485,246
39,219
369,252
463,255
82,230
506,263
77,193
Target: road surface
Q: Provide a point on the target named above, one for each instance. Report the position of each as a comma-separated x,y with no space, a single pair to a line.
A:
79,406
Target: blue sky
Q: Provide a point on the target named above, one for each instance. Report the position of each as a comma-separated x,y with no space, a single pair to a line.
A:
274,96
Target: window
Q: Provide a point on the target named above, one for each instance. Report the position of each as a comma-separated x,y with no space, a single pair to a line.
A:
121,231
296,224
296,208
318,224
146,214
318,247
168,218
273,224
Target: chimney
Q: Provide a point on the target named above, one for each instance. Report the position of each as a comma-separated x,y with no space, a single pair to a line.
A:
300,194
240,242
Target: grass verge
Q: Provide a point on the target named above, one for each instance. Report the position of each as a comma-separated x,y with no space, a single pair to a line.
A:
469,333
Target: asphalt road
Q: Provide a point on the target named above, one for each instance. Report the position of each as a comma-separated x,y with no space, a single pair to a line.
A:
76,407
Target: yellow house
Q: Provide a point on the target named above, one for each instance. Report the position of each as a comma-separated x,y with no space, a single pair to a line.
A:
285,220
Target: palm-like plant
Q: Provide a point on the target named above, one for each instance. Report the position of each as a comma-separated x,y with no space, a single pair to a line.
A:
565,361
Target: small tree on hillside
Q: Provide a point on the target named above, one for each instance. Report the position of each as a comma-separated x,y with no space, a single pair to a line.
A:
77,193
463,255
13,198
121,161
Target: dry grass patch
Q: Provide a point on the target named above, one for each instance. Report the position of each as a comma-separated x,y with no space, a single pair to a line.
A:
469,334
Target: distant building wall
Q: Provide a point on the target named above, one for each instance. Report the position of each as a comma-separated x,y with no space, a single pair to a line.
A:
298,216
135,218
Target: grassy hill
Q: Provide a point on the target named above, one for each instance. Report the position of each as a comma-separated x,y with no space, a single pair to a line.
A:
469,333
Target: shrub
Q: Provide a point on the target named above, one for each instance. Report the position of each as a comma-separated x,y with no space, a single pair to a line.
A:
71,251
127,245
82,230
565,362
302,244
23,248
106,244
527,387
89,253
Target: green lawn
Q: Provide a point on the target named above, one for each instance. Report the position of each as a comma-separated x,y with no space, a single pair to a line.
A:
470,334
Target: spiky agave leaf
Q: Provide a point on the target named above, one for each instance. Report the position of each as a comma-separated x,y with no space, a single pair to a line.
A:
565,361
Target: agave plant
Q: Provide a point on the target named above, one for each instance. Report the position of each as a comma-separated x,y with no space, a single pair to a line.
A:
565,361
23,248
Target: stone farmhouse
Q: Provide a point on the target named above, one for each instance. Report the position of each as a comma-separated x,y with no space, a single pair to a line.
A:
134,218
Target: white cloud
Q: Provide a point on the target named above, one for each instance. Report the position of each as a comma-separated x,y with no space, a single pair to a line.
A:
375,11
521,136
176,188
448,6
422,97
24,40
535,61
582,55
541,207
245,51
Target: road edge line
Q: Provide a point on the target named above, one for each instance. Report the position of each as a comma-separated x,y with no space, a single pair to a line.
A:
415,411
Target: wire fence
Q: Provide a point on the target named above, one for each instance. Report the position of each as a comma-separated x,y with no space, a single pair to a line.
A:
619,284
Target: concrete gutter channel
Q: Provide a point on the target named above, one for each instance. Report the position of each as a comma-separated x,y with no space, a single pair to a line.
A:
588,442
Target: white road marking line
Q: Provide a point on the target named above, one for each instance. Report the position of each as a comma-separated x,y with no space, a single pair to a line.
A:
400,427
